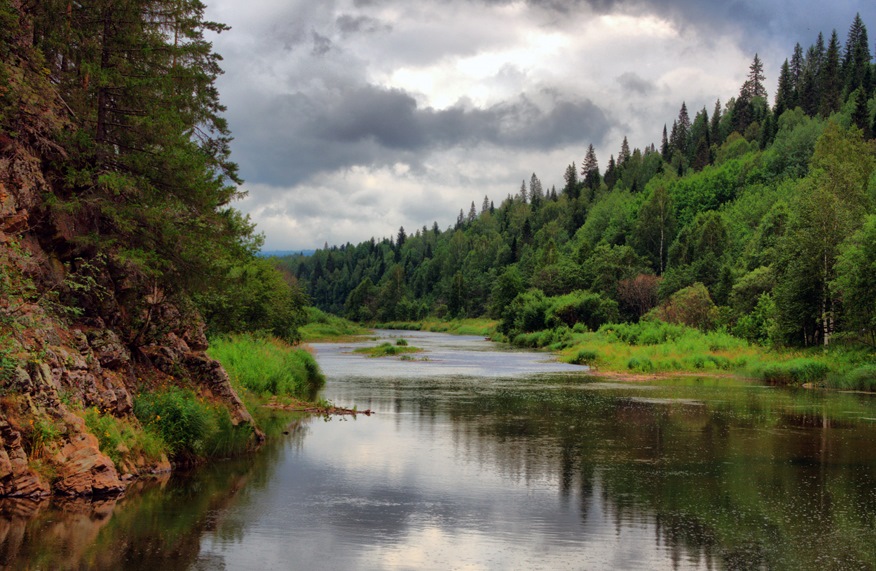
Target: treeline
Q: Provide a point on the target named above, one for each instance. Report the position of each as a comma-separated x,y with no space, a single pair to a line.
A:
758,217
118,98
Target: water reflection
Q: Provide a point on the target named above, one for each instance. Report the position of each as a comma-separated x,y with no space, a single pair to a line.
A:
503,470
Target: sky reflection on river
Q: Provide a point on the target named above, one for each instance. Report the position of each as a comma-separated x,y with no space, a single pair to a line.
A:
480,458
472,462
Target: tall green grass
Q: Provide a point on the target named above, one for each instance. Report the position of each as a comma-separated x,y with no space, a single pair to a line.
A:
190,427
323,326
267,366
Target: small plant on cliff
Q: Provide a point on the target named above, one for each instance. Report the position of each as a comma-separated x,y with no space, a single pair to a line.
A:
179,418
118,437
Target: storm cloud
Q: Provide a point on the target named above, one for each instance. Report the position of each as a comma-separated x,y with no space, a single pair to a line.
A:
354,117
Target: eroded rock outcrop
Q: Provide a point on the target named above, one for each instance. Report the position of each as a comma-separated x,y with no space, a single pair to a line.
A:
80,333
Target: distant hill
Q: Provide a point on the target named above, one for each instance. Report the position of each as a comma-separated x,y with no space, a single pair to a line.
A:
283,253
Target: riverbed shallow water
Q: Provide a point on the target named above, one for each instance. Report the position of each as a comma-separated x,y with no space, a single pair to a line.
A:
480,457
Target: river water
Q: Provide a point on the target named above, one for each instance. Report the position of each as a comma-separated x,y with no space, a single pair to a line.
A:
482,458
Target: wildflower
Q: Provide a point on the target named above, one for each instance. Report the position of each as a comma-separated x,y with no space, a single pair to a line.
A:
157,417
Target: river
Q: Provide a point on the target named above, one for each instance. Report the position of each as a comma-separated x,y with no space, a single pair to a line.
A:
477,457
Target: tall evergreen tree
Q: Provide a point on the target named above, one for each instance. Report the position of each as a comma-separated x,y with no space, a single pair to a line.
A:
590,170
571,178
753,86
797,65
664,145
856,58
624,154
829,80
785,91
715,124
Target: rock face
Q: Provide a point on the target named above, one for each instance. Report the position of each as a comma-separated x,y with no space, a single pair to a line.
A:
114,334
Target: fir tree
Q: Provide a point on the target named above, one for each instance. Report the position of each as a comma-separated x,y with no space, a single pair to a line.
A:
856,58
624,154
753,86
590,170
830,85
785,91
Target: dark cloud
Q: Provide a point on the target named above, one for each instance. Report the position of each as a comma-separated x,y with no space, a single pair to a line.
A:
351,25
632,81
368,125
321,44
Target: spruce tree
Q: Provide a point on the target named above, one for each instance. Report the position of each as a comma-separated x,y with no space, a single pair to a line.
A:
624,154
784,91
830,84
590,170
856,58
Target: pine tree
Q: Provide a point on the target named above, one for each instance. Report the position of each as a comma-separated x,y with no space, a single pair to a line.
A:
624,154
610,172
797,65
715,124
861,114
536,193
486,205
664,145
571,178
590,170
856,58
830,84
472,213
753,86
523,192
784,91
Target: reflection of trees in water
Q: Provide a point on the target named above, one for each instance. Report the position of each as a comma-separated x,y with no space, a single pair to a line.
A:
157,524
746,483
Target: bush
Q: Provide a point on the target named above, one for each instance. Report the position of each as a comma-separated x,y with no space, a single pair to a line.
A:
585,357
796,371
179,417
862,378
591,309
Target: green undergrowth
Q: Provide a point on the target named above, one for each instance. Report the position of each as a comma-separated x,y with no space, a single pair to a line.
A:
267,366
190,427
654,346
119,437
480,327
323,326
388,349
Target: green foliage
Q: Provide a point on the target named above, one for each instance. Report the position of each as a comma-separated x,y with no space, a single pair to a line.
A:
387,349
691,306
179,417
590,309
256,297
322,326
118,437
267,366
795,372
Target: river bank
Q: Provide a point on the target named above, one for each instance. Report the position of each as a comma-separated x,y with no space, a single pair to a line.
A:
654,349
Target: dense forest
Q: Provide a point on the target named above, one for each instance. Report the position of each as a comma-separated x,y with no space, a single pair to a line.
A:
117,99
754,217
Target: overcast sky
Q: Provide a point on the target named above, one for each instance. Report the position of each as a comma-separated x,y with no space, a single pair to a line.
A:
354,117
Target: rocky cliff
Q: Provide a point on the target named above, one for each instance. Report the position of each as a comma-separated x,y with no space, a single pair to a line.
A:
79,331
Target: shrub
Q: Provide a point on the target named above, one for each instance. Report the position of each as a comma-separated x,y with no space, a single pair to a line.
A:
796,371
585,357
179,417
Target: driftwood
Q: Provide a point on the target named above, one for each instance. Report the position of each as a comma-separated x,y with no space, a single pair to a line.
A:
320,410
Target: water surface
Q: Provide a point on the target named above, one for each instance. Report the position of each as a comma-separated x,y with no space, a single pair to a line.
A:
482,458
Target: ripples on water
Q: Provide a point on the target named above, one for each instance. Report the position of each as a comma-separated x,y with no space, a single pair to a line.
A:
487,459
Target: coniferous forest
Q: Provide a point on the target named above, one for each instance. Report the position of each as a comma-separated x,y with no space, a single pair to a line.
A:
756,217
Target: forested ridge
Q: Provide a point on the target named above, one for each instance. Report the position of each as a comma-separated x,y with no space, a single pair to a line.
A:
757,216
